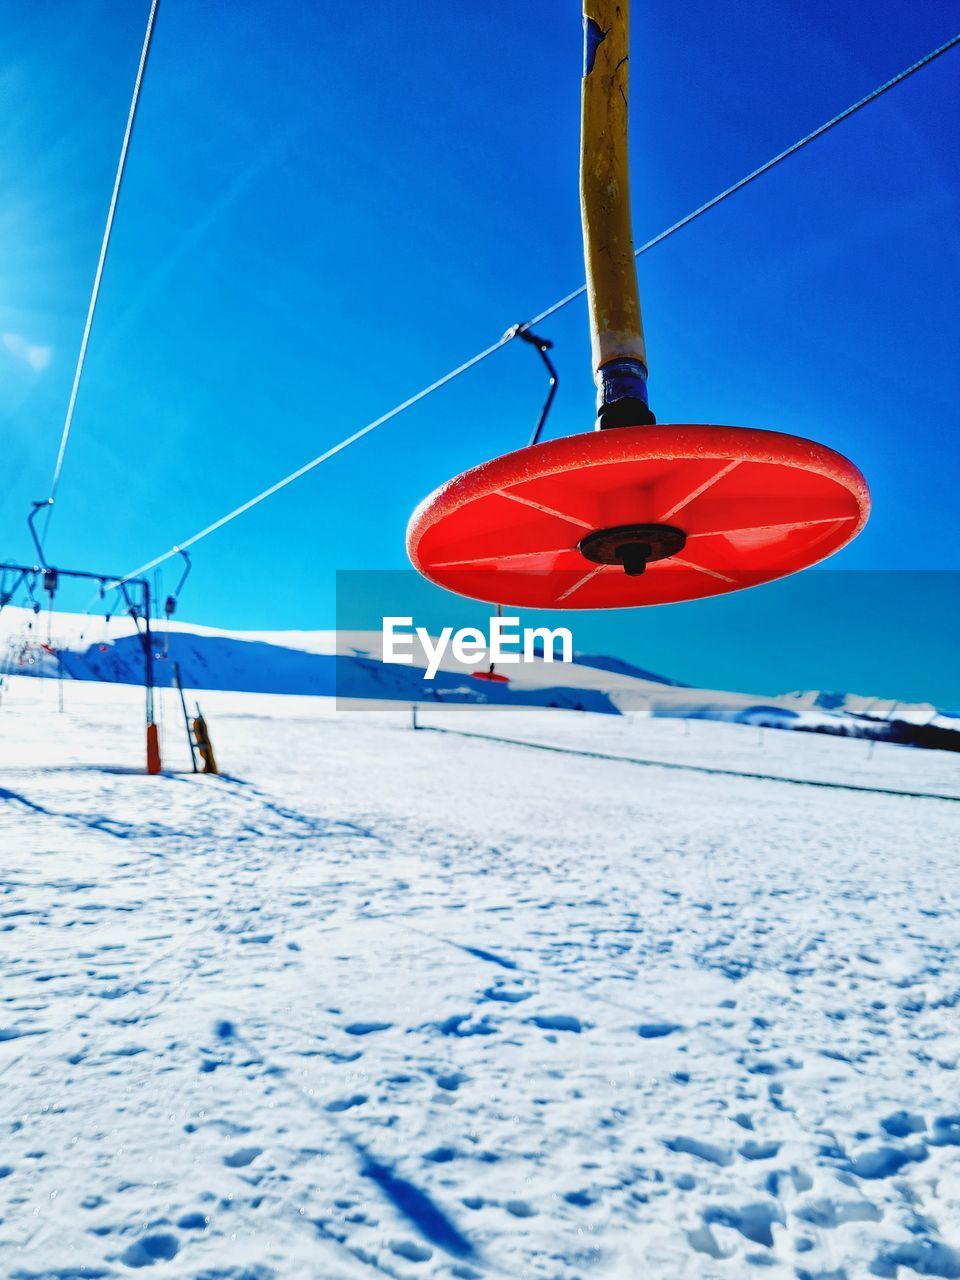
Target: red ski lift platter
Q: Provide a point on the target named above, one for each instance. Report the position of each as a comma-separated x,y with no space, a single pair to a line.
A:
493,676
715,508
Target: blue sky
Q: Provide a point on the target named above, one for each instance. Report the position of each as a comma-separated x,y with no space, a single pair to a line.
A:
321,216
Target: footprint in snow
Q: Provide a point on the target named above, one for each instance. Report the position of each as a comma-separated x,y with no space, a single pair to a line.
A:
656,1030
781,1182
902,1124
508,995
704,1241
830,1214
759,1150
946,1131
582,1199
520,1209
411,1251
925,1256
558,1022
345,1104
452,1081
159,1247
440,1155
366,1028
884,1162
461,1025
243,1156
754,1221
193,1222
713,1154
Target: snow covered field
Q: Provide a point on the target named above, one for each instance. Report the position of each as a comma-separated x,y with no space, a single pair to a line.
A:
379,1002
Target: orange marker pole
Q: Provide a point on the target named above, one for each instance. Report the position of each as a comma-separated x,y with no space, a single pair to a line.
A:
153,749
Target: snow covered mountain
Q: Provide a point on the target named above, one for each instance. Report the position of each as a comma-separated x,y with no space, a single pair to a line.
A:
922,713
349,665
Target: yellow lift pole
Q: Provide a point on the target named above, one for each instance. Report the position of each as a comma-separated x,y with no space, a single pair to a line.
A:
616,326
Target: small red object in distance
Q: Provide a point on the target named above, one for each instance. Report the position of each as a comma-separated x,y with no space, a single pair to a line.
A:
490,675
638,516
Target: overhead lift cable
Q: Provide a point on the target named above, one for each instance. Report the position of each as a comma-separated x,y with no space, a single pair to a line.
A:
518,330
98,276
770,164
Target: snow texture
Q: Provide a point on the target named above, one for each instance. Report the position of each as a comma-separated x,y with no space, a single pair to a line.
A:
379,1002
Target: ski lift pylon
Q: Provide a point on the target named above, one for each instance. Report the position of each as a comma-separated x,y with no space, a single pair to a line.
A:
633,513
